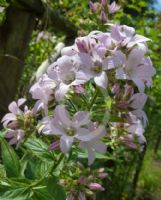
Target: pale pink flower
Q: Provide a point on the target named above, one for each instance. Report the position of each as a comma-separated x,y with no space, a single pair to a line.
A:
126,36
137,130
91,141
137,68
95,67
77,128
65,127
15,111
43,92
67,73
113,7
15,136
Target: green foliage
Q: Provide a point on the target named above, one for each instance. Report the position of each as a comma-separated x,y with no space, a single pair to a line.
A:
10,160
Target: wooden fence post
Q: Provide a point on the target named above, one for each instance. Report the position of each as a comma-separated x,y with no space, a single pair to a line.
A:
15,34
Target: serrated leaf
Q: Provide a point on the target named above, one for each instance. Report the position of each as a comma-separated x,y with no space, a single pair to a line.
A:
42,194
39,149
10,159
16,194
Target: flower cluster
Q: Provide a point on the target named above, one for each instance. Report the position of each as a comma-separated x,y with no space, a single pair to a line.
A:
18,122
105,59
116,64
84,185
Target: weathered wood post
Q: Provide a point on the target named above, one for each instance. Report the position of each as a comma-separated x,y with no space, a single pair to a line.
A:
15,34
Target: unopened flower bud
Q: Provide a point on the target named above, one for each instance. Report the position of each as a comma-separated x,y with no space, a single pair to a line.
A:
116,88
102,175
100,170
128,141
129,91
123,104
81,196
81,180
79,89
96,186
55,145
104,3
103,17
93,6
90,178
89,192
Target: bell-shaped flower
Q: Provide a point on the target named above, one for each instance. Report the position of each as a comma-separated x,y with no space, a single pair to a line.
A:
91,141
67,73
113,7
126,36
137,130
15,137
137,102
95,66
43,92
66,127
137,68
15,111
75,129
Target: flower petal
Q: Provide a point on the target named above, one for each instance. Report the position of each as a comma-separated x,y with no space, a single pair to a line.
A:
101,80
65,143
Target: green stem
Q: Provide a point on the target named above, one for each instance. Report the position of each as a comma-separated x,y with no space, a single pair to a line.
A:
57,164
94,98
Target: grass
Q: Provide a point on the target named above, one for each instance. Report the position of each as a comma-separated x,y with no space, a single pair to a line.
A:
149,185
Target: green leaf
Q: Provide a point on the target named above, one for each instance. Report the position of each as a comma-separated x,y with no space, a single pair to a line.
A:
55,189
39,149
10,159
16,194
42,194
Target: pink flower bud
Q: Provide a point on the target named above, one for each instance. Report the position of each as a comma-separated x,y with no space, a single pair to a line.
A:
104,3
81,180
102,175
70,197
116,88
129,91
79,89
81,196
82,45
96,186
123,104
55,145
103,17
128,141
93,6
113,8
